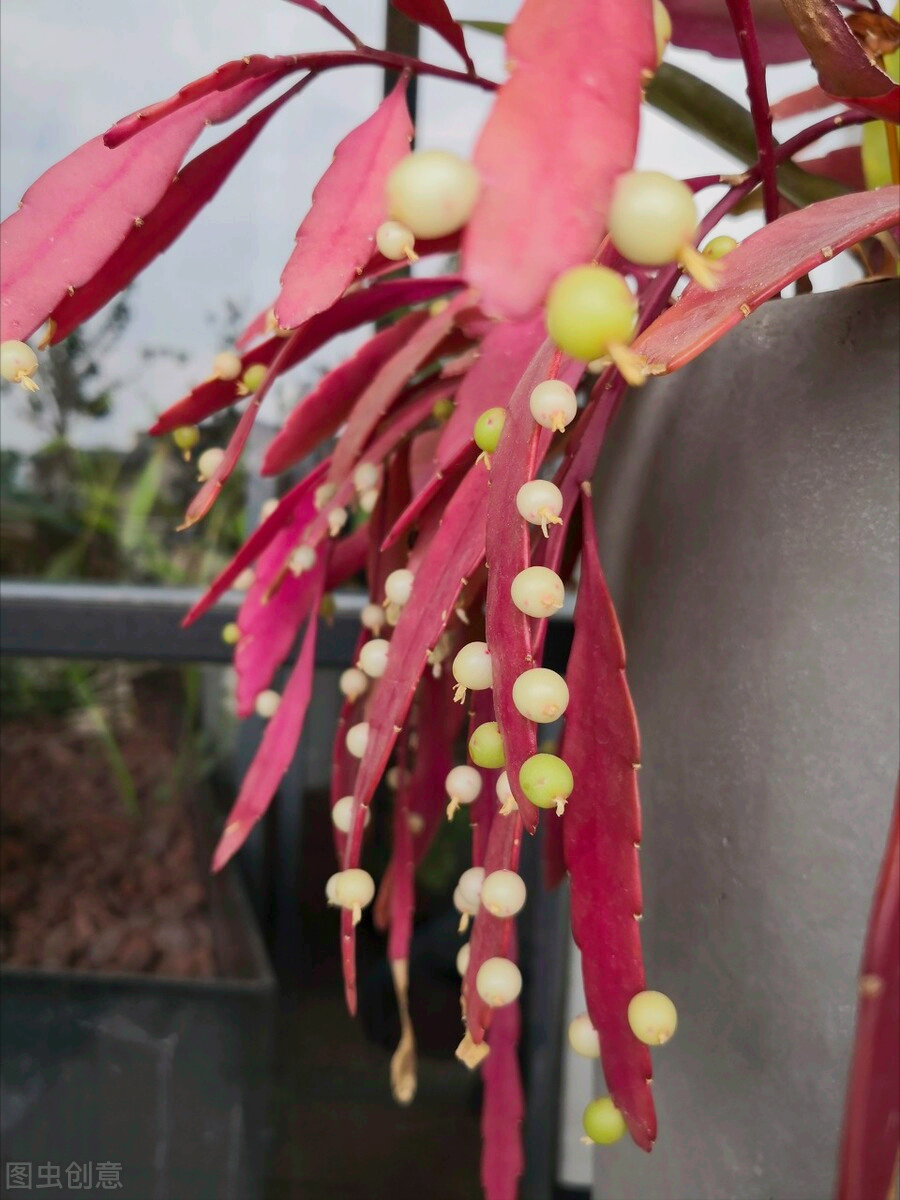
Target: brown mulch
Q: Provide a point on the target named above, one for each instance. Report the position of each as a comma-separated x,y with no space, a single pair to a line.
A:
83,884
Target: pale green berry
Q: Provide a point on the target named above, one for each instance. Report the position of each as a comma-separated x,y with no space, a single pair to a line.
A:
231,635
718,247
432,192
537,592
443,409
357,739
373,657
553,404
583,1037
486,746
540,695
498,982
395,241
253,376
602,1121
472,669
227,365
652,1018
186,437
488,428
651,217
546,781
503,893
540,502
209,462
353,683
589,308
18,362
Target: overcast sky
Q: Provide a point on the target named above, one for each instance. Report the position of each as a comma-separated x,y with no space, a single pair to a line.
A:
69,71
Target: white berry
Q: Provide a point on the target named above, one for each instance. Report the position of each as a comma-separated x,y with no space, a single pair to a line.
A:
472,669
553,404
540,695
209,462
540,503
366,475
503,893
227,365
432,192
342,815
357,739
498,982
583,1037
537,591
462,958
267,703
398,587
469,885
373,657
18,362
353,683
395,241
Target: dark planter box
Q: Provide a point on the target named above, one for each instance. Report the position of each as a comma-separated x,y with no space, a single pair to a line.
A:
165,1079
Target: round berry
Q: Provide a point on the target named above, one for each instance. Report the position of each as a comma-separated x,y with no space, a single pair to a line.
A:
553,404
540,695
331,888
186,437
266,509
353,683
366,475
462,905
373,657
432,192
588,308
462,958
227,365
505,794
463,784
503,893
267,703
395,777
652,1018
337,519
469,887
245,580
372,617
302,559
354,889
718,247
368,499
488,428
395,241
540,503
398,587
357,739
342,815
583,1037
209,462
498,982
253,376
546,781
602,1121
486,746
323,493
662,27
472,669
443,409
231,635
18,362
537,591
651,217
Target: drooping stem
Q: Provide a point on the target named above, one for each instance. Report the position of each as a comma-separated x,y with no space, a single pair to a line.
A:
327,15
327,59
744,27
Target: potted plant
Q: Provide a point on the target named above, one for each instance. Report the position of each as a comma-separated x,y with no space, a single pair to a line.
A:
469,428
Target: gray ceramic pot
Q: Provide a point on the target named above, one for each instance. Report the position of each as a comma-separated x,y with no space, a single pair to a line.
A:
748,518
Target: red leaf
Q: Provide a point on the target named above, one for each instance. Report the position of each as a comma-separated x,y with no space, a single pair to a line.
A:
323,409
356,308
705,25
601,830
502,1109
508,549
277,747
257,70
491,936
452,556
843,67
798,104
562,128
77,214
294,501
868,1156
337,236
436,15
553,860
760,267
843,165
193,187
388,382
887,107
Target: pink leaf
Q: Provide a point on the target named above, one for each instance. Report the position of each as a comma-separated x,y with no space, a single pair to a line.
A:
760,267
193,187
337,236
508,549
798,104
320,412
436,15
502,1109
562,128
843,165
78,213
295,501
868,1157
843,67
503,355
491,936
356,308
388,382
601,831
452,556
705,25
278,745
